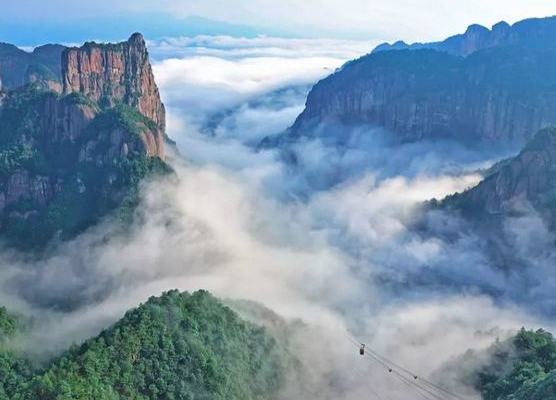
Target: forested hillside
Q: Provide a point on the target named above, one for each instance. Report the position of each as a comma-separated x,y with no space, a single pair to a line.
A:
523,368
177,346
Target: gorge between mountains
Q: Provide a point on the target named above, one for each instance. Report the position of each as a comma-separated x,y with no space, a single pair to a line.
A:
406,200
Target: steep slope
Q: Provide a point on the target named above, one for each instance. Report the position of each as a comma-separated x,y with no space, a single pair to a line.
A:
109,73
529,177
67,160
15,64
521,368
502,95
529,32
177,346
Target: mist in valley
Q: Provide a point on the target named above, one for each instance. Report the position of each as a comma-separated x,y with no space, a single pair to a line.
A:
326,242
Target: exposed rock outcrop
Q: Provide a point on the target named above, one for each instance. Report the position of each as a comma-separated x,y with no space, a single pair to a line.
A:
529,32
64,120
22,184
115,72
498,95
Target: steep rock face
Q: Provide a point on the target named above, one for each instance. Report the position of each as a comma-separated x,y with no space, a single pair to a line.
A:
49,125
21,183
64,120
530,177
498,95
15,64
119,72
529,32
66,160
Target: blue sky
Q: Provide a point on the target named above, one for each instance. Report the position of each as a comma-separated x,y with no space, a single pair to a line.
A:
29,22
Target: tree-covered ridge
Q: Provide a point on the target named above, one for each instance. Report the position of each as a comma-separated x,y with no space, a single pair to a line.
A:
522,369
177,346
14,370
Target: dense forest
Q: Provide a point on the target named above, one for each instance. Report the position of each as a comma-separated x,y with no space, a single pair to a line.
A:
191,346
522,368
177,346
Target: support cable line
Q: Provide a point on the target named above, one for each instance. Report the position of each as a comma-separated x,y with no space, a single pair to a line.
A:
416,377
370,383
417,382
410,382
381,364
360,374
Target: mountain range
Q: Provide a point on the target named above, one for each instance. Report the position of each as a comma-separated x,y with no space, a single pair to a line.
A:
81,127
18,67
500,94
534,32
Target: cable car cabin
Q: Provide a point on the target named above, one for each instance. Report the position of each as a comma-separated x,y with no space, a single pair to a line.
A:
362,350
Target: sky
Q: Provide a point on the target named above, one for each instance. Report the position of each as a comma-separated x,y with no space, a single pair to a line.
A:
354,19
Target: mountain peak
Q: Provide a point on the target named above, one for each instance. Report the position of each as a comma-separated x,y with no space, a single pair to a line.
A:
502,25
476,28
115,73
137,39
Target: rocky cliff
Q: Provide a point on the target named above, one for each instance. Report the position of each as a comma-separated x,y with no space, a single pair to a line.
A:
17,65
527,179
529,32
502,94
112,73
68,159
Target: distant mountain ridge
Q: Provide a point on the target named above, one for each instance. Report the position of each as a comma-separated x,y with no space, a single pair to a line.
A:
499,94
112,27
15,64
529,32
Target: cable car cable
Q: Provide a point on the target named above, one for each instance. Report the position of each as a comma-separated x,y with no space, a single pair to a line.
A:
415,376
412,383
404,378
373,391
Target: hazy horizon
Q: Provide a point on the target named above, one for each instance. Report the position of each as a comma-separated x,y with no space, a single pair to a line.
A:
32,23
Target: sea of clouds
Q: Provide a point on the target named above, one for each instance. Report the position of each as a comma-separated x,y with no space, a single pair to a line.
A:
327,242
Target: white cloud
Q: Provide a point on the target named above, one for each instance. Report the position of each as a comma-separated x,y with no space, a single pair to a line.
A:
245,76
229,47
252,87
